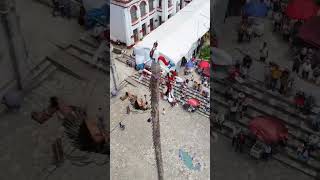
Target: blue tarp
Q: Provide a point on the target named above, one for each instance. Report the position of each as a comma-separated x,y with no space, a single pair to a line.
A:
256,9
189,64
97,16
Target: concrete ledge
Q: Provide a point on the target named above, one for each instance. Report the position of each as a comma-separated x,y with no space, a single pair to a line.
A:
75,6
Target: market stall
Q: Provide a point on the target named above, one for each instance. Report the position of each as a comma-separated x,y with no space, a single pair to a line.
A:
179,36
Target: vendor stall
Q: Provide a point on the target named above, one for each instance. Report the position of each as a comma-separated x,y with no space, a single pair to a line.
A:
179,37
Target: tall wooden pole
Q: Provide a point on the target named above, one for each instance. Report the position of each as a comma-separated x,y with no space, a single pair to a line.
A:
154,88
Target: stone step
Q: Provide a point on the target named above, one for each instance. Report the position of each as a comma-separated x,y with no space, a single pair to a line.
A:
200,110
286,158
87,39
72,65
45,71
84,48
269,109
87,59
252,111
259,86
293,135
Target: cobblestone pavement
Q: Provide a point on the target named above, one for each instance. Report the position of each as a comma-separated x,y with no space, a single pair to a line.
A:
132,154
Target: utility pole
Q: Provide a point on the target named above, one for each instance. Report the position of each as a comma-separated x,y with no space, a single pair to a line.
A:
154,88
16,43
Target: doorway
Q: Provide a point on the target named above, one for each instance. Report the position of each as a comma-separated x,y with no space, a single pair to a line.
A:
144,30
135,35
151,24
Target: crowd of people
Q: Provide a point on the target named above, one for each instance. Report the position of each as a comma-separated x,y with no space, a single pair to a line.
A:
303,56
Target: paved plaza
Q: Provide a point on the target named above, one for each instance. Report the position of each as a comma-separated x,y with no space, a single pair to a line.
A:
132,153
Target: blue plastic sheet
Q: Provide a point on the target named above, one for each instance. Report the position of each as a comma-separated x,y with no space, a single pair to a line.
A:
256,9
98,16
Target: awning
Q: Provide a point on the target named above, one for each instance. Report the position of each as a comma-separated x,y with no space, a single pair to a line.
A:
178,35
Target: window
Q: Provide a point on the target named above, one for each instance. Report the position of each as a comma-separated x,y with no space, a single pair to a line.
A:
133,12
151,5
143,8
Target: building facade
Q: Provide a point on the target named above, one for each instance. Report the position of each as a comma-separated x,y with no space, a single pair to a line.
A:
131,20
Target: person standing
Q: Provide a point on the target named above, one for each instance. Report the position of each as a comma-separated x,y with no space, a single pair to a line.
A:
81,17
284,82
220,119
264,52
267,75
303,53
306,68
233,110
240,142
277,21
62,8
55,8
247,61
297,61
275,75
316,74
235,132
163,111
67,8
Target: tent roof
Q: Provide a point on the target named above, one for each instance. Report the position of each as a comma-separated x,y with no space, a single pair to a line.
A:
310,31
177,35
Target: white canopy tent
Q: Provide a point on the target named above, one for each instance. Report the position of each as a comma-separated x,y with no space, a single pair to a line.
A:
178,36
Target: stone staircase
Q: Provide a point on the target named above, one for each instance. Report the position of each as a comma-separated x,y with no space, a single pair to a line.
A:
84,49
178,93
264,104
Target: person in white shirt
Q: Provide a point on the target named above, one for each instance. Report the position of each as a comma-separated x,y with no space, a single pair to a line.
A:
303,53
264,52
277,21
306,68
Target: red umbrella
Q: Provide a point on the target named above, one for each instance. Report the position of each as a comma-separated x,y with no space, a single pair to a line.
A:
309,32
203,64
302,9
193,102
206,72
267,129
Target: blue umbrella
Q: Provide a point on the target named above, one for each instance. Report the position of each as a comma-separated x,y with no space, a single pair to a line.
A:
256,9
190,64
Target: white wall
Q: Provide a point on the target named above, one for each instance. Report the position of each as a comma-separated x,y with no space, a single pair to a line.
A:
117,23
